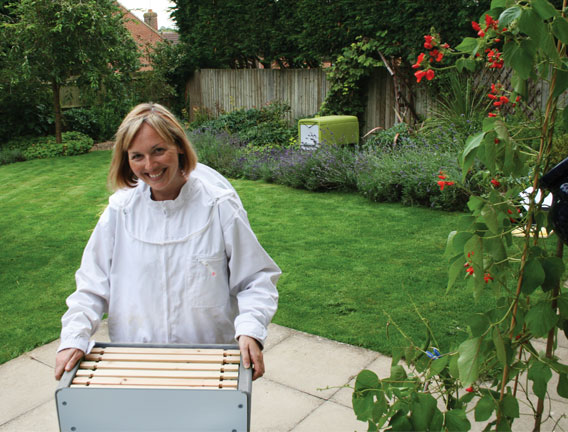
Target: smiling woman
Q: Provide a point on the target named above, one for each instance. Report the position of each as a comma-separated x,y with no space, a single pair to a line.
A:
173,258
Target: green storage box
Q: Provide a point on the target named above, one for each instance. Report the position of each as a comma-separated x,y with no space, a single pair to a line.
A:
335,129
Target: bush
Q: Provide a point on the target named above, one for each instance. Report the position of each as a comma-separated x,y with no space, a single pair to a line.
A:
409,176
99,122
26,148
219,151
256,127
406,172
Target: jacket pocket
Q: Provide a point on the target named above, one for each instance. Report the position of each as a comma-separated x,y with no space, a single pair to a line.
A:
206,280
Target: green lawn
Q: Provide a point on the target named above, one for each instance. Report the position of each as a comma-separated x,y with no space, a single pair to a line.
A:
345,260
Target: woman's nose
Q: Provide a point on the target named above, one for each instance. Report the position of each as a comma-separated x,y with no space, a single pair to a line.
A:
148,163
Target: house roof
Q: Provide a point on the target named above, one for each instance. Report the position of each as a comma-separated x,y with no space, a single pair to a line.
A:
145,36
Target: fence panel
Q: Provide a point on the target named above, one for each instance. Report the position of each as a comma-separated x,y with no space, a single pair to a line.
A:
224,90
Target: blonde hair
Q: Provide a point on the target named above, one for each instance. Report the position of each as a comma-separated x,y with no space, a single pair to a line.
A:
166,126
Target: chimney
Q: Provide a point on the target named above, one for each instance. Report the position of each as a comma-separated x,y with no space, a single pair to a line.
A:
151,18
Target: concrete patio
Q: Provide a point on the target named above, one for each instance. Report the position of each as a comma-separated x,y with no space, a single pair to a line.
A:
303,390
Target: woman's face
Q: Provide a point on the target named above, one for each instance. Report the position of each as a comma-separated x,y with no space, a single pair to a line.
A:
156,163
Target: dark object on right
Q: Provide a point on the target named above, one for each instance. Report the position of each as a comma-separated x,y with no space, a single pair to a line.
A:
556,180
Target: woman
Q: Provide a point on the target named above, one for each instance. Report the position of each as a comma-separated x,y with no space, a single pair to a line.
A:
172,258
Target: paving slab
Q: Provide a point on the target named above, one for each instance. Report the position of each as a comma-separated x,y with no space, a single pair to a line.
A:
278,408
41,419
276,334
26,384
381,366
331,417
315,365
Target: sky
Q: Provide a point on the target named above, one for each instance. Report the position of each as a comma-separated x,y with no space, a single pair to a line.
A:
138,7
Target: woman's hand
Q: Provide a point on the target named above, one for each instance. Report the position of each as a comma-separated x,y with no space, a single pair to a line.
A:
65,361
251,352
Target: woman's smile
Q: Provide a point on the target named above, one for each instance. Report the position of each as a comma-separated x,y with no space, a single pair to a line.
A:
156,163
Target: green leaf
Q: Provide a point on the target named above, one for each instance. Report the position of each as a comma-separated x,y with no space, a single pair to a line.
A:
465,63
539,374
468,154
562,388
366,386
467,45
560,29
473,249
561,83
478,324
484,408
488,124
401,423
510,406
456,420
438,366
520,57
519,85
553,269
494,246
498,4
531,24
499,346
544,9
540,319
456,242
533,276
490,218
470,357
509,15
423,407
454,270
563,305
398,375
475,204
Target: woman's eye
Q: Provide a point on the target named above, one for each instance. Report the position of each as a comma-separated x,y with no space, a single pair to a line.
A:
159,150
135,157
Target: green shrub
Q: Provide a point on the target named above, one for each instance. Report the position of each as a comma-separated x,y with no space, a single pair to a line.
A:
26,148
8,156
255,127
99,122
219,151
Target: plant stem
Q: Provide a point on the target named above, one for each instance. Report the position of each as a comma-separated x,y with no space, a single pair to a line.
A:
550,339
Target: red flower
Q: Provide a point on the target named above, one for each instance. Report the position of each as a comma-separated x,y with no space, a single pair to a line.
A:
429,42
504,99
444,183
429,74
487,278
419,75
496,141
469,389
491,96
495,183
469,270
492,115
418,61
475,26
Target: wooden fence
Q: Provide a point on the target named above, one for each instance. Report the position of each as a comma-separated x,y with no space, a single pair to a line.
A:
222,90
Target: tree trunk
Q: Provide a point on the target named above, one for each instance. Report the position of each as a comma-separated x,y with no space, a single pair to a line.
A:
57,109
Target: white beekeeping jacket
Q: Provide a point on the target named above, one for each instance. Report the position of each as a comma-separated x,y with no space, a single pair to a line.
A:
188,270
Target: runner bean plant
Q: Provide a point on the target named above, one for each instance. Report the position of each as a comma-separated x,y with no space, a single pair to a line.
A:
482,378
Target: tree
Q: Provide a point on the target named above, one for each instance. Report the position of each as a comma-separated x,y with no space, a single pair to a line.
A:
63,42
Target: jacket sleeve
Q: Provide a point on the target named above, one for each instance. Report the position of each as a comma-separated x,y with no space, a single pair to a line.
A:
89,302
252,273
